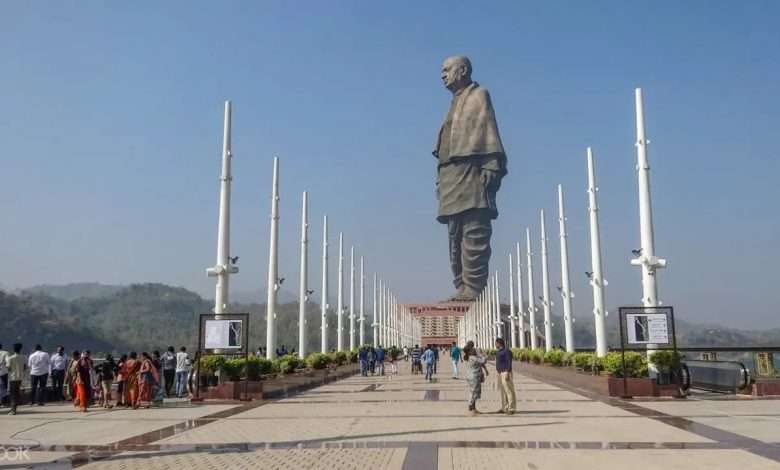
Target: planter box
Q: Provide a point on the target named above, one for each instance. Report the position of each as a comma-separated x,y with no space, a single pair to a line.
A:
634,387
234,391
277,386
766,387
601,384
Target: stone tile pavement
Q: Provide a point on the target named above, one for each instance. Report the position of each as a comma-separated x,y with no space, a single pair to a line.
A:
402,422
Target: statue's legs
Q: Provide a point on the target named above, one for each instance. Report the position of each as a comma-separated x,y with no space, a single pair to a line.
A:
469,234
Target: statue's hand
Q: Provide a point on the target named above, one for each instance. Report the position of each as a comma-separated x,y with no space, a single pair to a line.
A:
489,178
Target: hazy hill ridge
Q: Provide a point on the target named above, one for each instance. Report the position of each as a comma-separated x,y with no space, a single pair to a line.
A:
153,316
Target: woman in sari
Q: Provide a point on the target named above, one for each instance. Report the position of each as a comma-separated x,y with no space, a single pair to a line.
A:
475,374
83,381
70,377
147,379
131,380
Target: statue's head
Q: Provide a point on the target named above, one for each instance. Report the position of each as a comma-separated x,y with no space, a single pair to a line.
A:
456,72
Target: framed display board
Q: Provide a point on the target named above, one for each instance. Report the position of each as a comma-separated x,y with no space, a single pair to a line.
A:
226,332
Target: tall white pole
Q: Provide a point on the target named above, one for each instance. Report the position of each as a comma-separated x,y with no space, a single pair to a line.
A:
485,316
531,300
512,318
375,325
340,296
223,267
273,267
381,312
646,258
520,313
324,295
499,320
362,303
546,289
303,295
352,298
596,277
566,293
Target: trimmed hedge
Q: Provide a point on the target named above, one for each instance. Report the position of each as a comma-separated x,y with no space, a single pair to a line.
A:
554,357
317,360
636,364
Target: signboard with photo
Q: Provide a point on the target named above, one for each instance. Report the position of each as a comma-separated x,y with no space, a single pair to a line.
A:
226,332
642,326
223,334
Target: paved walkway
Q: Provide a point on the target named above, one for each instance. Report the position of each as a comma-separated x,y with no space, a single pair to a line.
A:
402,422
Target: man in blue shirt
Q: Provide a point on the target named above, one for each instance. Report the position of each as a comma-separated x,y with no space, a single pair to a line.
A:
363,358
504,372
455,355
428,357
380,360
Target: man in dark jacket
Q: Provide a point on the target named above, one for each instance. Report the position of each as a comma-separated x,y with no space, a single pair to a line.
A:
505,384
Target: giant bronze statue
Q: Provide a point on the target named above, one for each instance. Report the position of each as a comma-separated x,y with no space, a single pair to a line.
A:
471,164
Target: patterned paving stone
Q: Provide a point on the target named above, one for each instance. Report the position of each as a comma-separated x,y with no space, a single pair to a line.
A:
290,459
469,459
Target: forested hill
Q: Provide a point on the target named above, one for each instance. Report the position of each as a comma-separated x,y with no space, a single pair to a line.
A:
137,317
26,320
75,291
154,316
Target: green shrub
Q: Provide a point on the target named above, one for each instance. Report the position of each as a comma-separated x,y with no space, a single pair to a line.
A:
586,361
352,356
339,358
536,356
490,353
636,364
233,369
568,359
554,357
520,354
286,364
317,360
209,365
666,361
257,366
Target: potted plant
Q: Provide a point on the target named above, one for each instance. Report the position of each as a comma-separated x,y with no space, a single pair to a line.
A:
667,363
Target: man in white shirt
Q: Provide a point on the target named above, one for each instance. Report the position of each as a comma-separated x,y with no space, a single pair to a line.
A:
38,363
3,376
182,368
59,362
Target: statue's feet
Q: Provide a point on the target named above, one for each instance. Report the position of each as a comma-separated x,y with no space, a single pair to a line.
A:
464,294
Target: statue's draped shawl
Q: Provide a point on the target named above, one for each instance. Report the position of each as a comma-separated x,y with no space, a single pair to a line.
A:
474,131
468,144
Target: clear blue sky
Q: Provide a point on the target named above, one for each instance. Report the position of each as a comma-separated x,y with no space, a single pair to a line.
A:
110,130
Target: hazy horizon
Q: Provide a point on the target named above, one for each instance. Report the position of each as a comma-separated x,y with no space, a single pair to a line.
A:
112,129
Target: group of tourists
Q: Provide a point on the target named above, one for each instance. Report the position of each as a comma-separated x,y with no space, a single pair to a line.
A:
428,357
138,380
475,371
372,361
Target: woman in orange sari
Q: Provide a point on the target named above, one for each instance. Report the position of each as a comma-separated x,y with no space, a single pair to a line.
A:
84,381
147,378
131,379
71,376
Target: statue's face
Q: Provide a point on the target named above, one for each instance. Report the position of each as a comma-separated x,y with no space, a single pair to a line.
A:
453,74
